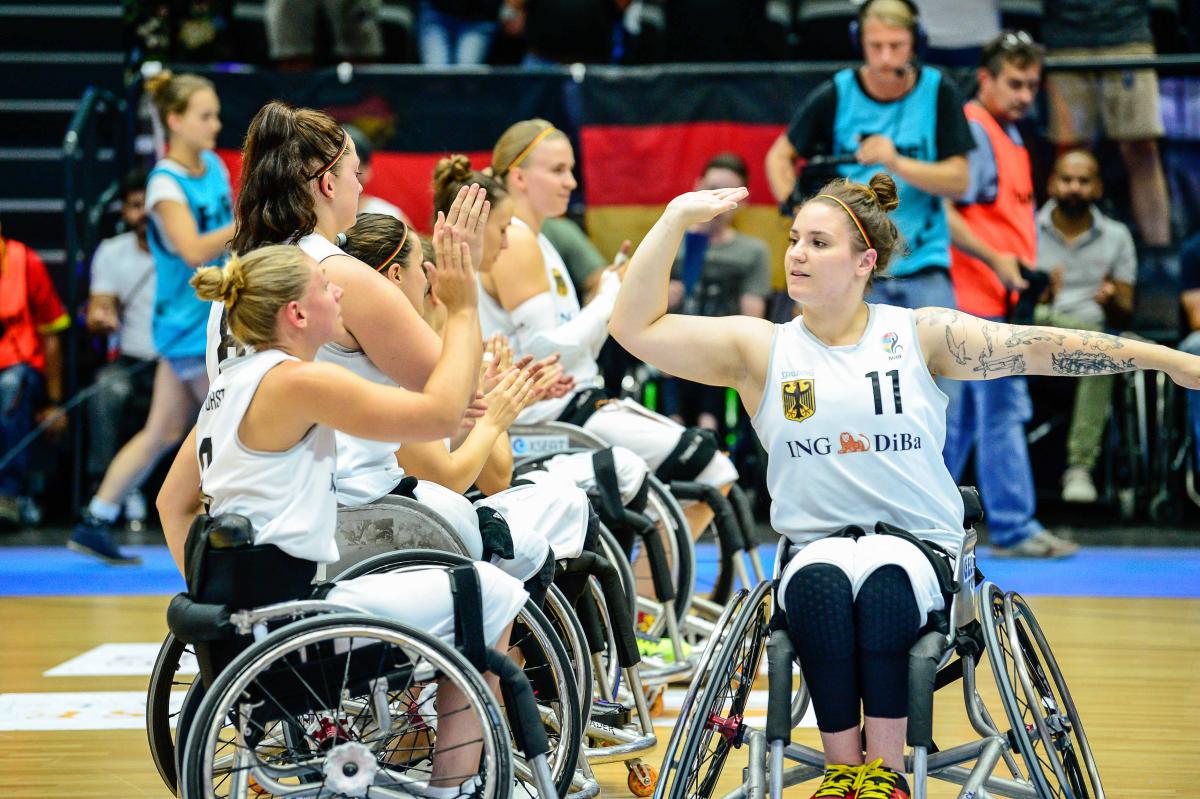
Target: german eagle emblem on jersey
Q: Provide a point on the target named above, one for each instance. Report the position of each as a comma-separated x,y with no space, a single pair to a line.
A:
799,399
560,283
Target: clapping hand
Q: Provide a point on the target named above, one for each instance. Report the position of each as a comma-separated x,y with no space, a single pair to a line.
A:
700,206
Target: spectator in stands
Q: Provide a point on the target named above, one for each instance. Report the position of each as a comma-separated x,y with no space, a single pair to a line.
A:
894,114
292,30
1124,102
719,272
31,317
369,203
993,232
1189,299
956,30
1093,269
121,307
456,32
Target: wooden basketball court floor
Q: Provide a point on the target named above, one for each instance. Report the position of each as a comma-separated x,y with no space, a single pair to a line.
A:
1132,664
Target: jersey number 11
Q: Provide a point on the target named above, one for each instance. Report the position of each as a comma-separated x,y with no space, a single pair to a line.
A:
894,374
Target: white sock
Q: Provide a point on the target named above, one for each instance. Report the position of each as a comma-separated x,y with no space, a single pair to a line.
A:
466,789
103,510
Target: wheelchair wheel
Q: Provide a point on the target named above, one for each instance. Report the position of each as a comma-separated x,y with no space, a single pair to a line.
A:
566,625
1045,723
671,760
335,705
547,663
716,724
161,723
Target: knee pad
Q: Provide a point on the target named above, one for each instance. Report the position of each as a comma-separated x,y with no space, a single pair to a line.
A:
886,613
820,614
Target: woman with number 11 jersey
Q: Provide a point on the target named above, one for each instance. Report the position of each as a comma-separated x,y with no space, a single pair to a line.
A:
844,402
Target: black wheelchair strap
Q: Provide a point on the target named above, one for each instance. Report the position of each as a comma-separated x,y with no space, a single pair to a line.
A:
407,487
583,406
468,615
938,558
193,552
608,486
695,448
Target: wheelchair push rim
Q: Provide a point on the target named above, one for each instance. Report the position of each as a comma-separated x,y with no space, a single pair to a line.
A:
215,749
718,724
161,723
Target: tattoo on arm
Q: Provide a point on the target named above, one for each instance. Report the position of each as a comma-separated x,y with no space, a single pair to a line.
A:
1008,365
1081,362
957,348
1101,342
1019,336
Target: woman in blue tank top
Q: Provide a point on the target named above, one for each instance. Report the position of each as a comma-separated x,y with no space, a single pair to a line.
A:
191,222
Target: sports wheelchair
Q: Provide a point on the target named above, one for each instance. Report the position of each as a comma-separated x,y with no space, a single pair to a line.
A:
298,696
1044,748
656,524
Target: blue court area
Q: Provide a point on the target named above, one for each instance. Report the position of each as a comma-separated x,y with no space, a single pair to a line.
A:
1095,571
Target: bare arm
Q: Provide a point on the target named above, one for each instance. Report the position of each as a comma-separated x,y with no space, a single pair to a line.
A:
965,347
945,178
1006,265
727,351
497,473
102,315
52,347
781,167
178,500
520,272
383,323
180,228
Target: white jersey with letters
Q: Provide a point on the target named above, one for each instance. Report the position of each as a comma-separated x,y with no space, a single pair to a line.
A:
287,496
854,434
220,345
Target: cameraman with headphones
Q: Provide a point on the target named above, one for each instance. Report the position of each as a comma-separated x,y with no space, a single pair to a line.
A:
896,114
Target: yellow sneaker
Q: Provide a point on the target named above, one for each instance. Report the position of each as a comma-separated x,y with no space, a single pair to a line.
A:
839,782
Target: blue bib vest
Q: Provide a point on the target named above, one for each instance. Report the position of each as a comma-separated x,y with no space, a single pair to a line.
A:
179,315
911,124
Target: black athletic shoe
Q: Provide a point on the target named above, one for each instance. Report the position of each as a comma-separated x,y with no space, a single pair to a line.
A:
94,537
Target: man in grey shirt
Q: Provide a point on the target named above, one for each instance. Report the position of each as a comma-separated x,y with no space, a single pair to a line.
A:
1093,268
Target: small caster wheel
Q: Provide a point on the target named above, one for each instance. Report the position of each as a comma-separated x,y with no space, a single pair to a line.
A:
257,789
655,697
643,778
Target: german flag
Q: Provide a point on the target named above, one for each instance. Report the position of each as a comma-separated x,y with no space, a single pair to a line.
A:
647,134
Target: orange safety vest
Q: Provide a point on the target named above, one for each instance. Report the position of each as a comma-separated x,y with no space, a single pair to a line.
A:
1006,224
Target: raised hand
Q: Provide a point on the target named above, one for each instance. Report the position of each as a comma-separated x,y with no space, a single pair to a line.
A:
700,206
452,279
508,398
469,215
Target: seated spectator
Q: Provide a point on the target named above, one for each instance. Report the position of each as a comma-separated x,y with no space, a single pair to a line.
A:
292,30
31,316
121,306
1189,300
456,32
369,203
1093,268
719,272
564,33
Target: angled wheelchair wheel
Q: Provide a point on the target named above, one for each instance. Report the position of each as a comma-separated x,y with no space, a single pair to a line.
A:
1045,722
339,705
704,667
547,663
161,723
717,724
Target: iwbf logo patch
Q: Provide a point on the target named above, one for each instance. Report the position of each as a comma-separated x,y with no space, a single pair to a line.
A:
799,399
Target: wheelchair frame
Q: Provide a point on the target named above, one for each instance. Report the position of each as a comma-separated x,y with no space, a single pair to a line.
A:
1045,731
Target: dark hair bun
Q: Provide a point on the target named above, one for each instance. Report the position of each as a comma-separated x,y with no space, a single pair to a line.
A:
883,188
454,169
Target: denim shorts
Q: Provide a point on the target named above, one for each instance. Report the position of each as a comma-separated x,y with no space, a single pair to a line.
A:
188,367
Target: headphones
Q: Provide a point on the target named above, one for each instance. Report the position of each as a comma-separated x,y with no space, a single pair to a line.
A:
920,37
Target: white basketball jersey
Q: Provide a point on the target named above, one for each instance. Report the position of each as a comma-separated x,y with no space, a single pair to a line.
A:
288,496
562,290
854,434
221,347
366,470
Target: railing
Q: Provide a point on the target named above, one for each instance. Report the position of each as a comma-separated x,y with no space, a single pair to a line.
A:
103,120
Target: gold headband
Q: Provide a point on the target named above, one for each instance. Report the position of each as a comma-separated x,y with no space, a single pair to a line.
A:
396,252
857,224
336,158
521,156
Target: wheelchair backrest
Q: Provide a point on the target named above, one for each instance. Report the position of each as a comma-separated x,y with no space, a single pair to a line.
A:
389,524
545,438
